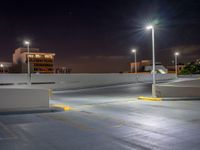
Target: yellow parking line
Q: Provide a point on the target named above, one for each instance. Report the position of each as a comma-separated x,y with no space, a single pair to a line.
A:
150,98
62,106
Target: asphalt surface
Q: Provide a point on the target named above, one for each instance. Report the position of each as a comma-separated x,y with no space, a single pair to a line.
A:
108,118
110,94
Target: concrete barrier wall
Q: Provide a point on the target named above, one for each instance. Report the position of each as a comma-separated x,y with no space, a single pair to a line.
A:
13,78
189,76
23,98
177,91
73,81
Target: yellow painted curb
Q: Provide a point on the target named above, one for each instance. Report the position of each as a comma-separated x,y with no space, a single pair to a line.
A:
150,98
62,106
50,92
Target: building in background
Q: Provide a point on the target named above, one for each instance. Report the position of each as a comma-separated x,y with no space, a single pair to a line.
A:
140,65
171,68
40,62
146,66
63,70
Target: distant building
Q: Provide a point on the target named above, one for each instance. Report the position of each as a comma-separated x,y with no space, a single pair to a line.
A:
40,62
63,70
146,66
140,65
172,68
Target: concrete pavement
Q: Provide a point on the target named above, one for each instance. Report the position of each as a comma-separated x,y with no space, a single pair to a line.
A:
106,119
100,95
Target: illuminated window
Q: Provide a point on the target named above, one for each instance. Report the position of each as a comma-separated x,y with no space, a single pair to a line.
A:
37,56
48,56
30,56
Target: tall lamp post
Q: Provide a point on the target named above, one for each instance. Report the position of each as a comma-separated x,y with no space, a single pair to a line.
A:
2,66
135,51
176,54
151,27
27,43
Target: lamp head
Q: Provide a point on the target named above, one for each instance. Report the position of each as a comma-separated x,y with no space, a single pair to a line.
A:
27,42
133,50
149,27
176,53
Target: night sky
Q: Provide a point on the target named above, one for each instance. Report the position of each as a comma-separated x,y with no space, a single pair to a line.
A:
98,35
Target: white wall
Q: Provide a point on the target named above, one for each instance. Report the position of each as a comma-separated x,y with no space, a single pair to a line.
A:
73,81
23,98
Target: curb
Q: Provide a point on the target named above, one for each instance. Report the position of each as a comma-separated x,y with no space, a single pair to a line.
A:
168,98
61,106
149,98
50,93
181,99
28,111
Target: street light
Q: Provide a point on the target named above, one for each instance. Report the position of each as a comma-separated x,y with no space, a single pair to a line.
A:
151,27
176,54
28,61
135,51
2,66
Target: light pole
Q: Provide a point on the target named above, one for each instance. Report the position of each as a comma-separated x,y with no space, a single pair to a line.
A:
2,66
28,61
135,51
176,54
151,27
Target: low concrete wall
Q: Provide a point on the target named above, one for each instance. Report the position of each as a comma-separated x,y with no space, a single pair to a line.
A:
186,82
74,81
189,76
177,91
23,98
182,88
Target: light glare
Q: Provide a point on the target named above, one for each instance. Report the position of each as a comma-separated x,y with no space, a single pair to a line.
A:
149,27
133,50
26,42
176,53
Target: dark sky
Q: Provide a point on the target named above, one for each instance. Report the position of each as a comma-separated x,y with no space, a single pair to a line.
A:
97,35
